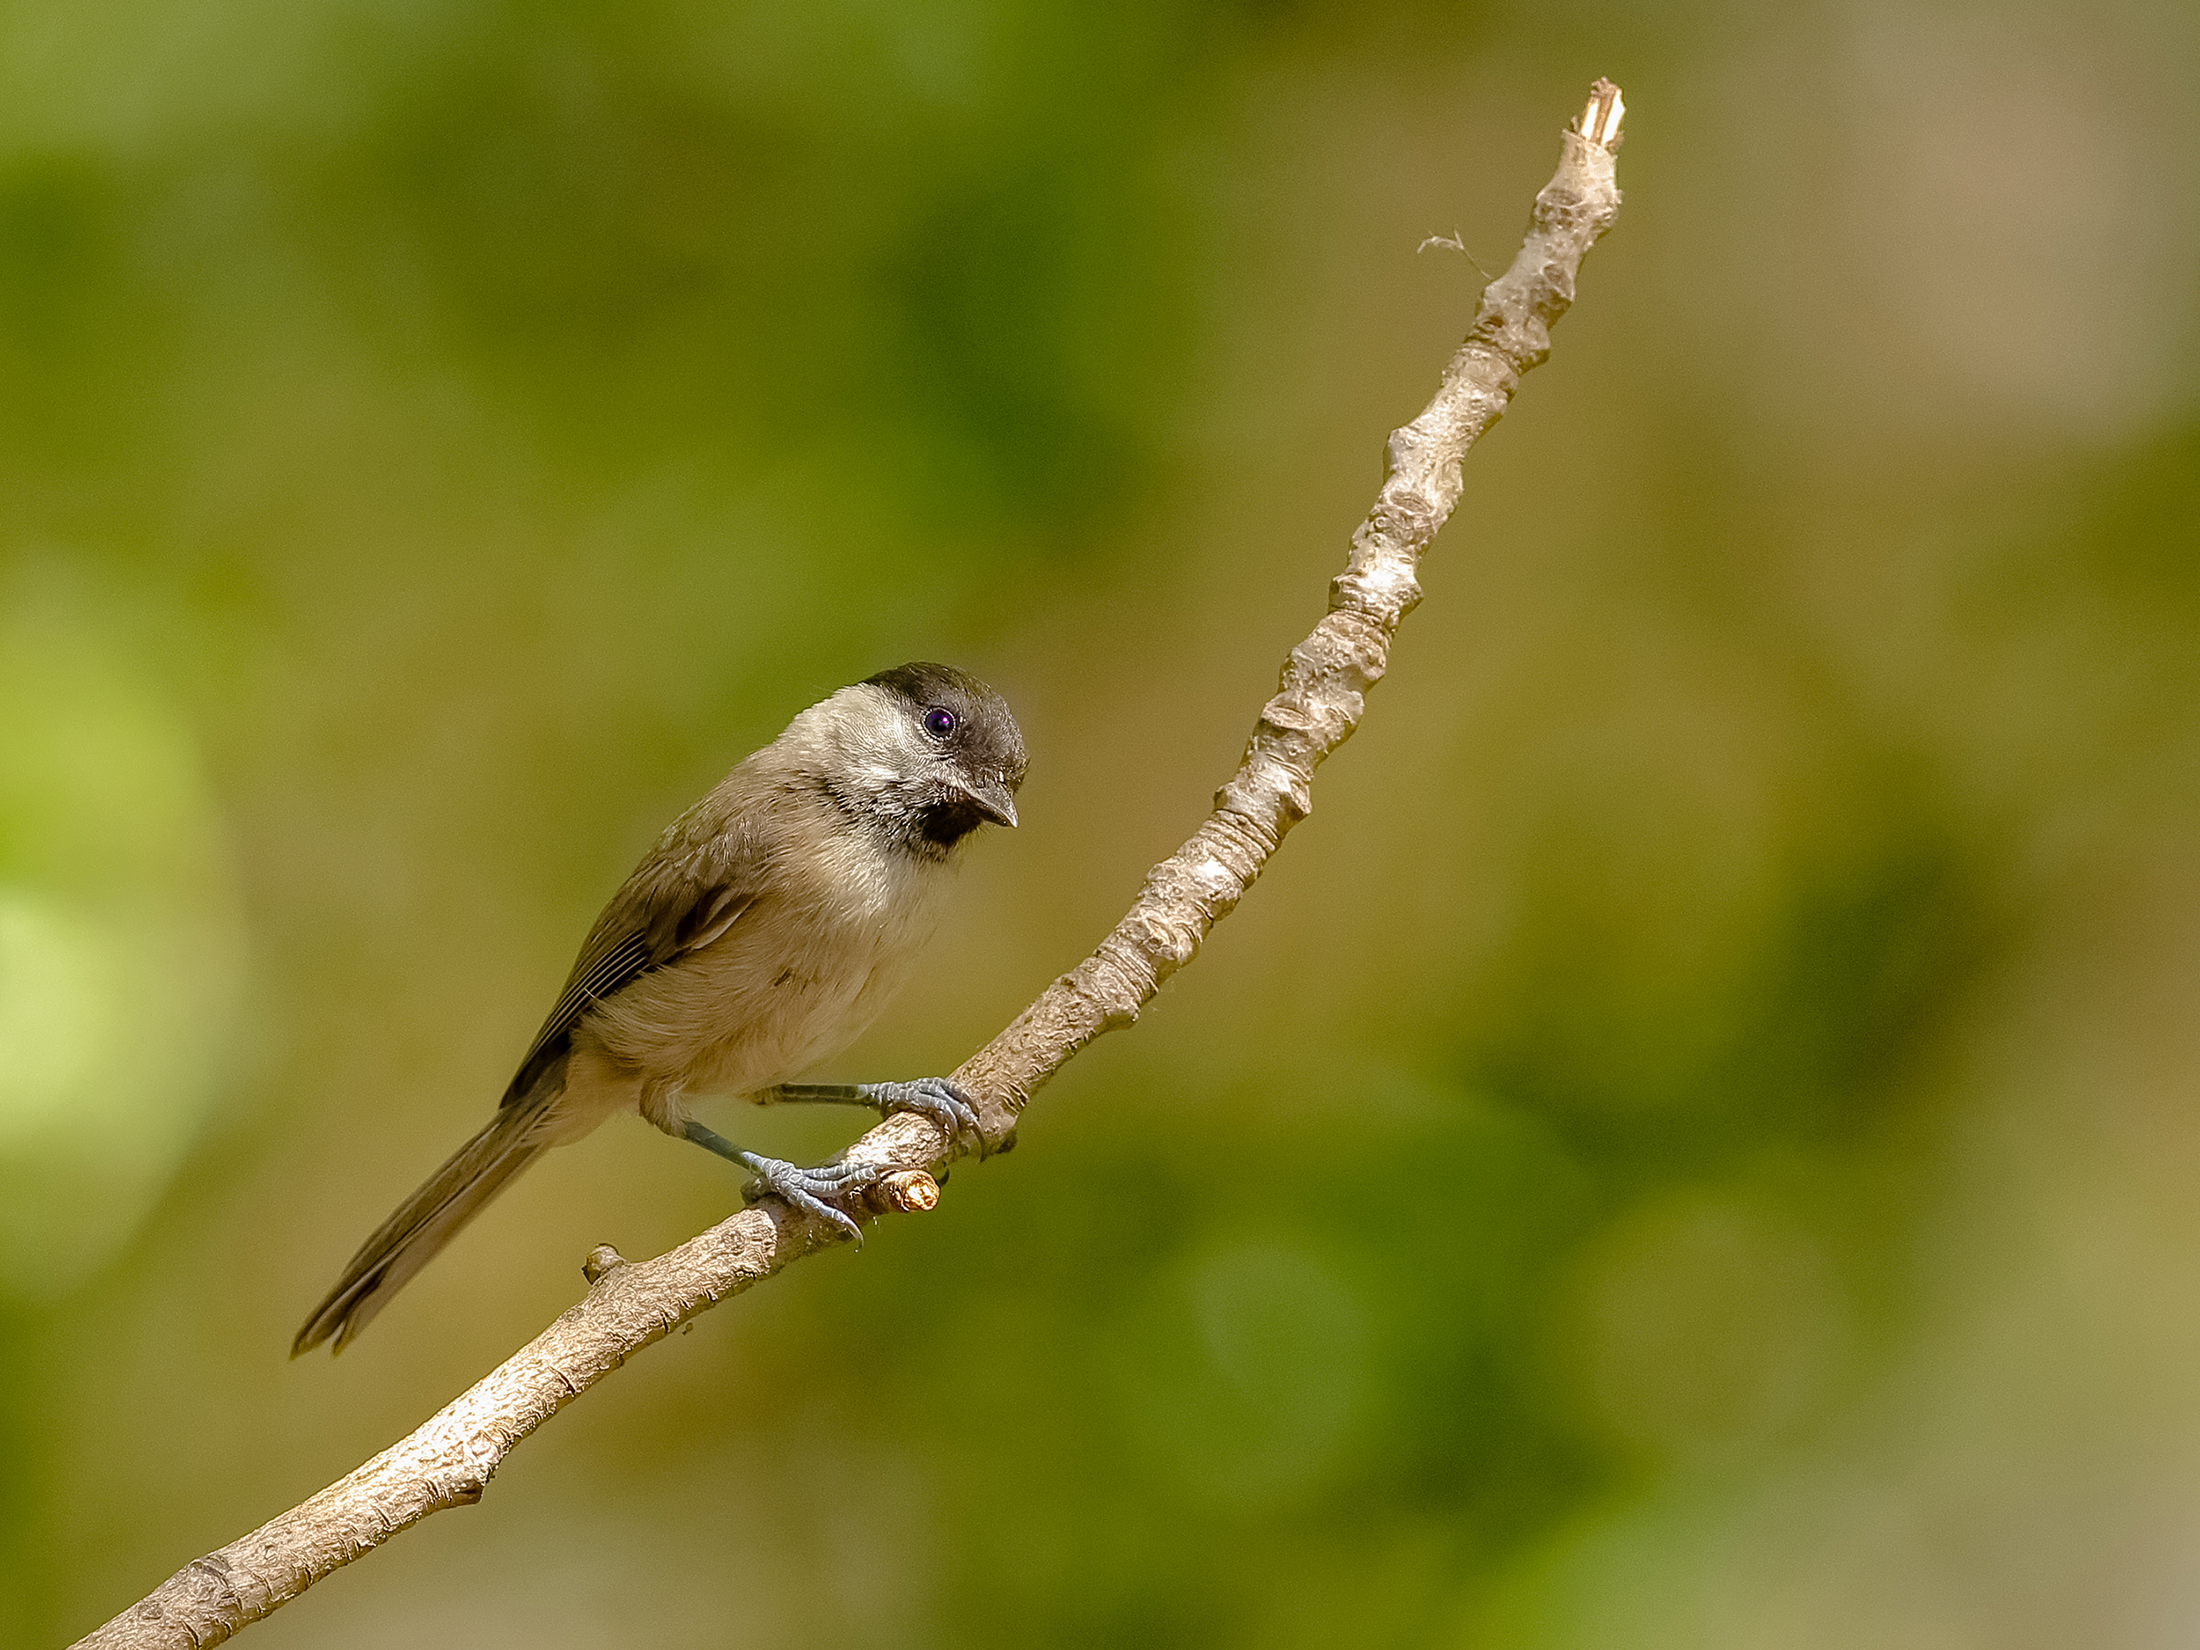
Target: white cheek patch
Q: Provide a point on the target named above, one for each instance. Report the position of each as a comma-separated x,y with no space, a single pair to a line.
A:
877,778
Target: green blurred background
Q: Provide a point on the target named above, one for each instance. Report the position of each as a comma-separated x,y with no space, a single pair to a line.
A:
1696,1143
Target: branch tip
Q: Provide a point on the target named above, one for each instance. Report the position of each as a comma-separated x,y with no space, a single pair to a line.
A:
1599,122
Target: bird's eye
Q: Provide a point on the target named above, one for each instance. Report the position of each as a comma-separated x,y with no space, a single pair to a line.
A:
939,721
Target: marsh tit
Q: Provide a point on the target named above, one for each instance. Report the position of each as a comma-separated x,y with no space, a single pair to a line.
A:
764,930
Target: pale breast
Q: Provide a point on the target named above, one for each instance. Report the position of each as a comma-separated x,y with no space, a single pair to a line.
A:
795,979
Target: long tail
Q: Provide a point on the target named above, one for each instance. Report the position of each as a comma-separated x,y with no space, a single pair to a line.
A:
424,1223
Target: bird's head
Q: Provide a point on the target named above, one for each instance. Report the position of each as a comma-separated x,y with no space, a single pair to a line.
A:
924,753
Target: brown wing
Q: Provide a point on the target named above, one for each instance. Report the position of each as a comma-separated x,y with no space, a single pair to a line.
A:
689,889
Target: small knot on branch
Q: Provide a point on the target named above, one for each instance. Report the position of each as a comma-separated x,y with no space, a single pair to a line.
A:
907,1191
602,1261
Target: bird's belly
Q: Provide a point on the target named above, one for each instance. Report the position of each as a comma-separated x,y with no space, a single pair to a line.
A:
784,1025
770,999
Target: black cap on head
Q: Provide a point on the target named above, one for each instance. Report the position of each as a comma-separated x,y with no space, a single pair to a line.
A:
922,682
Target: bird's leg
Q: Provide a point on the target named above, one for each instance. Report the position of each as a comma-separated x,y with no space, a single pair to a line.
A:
934,1098
811,1189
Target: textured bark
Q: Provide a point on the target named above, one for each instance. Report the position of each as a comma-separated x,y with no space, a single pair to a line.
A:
448,1462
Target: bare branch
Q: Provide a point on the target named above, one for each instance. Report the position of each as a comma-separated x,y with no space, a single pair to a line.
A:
448,1462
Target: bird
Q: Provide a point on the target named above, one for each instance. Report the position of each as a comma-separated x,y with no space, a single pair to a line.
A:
759,935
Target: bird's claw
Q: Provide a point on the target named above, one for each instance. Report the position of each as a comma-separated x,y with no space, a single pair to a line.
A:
935,1099
812,1190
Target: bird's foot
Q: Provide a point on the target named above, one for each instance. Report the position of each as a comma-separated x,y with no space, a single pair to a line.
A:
812,1190
935,1099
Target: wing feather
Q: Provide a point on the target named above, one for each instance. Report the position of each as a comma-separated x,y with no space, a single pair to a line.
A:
689,890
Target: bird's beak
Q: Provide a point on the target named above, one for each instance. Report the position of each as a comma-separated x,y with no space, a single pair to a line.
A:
993,799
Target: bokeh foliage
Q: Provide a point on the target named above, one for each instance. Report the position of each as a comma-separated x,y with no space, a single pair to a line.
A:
1692,1144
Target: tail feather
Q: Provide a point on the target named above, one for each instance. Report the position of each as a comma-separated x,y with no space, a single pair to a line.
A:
423,1224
